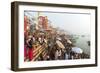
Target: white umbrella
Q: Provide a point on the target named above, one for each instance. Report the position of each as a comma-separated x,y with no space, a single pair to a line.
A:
77,50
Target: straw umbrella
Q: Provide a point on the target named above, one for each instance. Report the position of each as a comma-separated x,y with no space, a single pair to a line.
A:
60,44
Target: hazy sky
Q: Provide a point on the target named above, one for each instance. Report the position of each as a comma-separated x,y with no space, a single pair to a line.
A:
71,22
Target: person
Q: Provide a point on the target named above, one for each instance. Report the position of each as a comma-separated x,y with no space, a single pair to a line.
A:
45,41
30,54
40,40
77,52
25,48
58,54
30,51
33,38
71,55
65,55
76,56
29,42
40,58
48,57
52,54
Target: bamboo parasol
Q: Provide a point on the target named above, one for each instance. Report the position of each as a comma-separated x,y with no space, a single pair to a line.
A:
60,44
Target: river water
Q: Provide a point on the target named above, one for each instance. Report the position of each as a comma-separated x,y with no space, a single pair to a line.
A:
82,42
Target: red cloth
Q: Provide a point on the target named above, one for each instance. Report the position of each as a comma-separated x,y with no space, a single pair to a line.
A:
30,54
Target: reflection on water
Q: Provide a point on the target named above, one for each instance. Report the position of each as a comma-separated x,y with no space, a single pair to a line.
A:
82,41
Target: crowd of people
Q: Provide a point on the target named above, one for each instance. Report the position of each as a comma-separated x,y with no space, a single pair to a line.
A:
56,47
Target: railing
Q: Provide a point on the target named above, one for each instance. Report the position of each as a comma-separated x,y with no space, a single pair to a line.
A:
36,53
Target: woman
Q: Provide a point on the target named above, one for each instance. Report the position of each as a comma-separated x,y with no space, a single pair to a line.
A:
30,51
